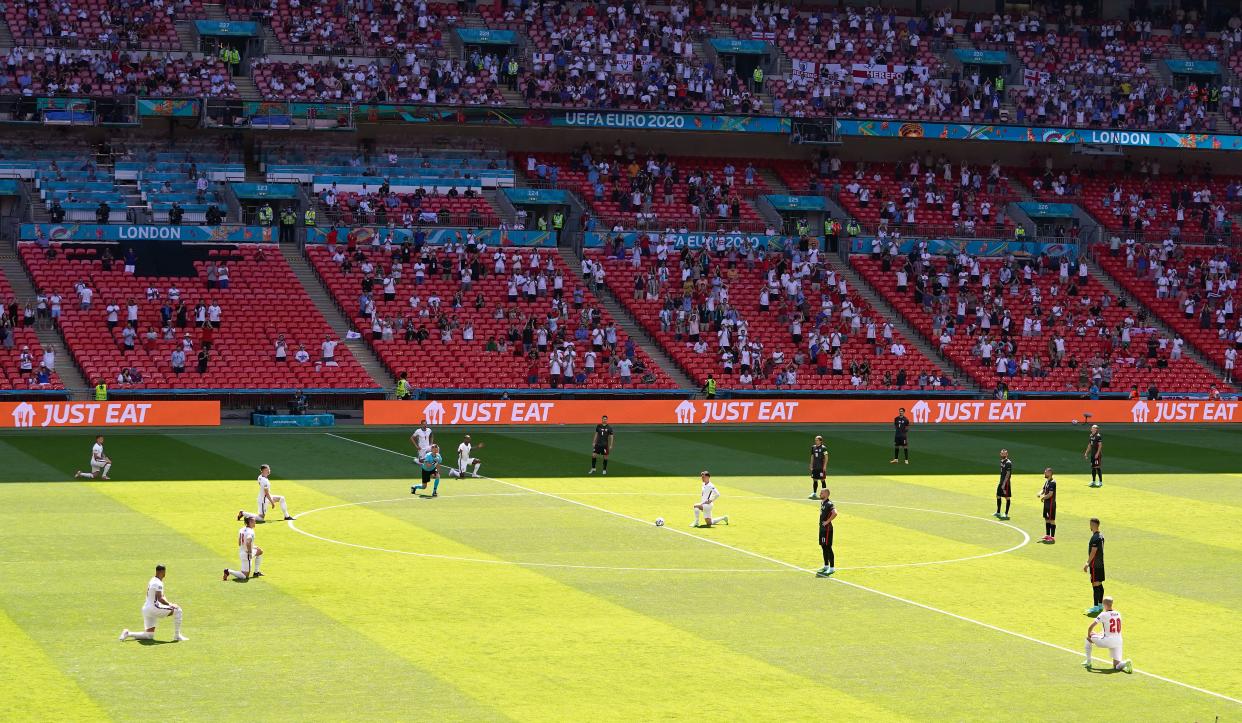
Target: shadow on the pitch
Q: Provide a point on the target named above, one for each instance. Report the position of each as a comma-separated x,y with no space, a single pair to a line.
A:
156,642
1103,671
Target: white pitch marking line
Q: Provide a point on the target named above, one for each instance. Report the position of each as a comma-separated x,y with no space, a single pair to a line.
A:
1025,537
499,562
854,585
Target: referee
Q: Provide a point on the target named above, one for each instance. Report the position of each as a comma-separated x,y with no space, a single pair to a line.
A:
601,444
827,513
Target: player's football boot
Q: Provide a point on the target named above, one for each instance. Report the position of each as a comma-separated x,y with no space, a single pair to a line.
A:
1093,611
1127,666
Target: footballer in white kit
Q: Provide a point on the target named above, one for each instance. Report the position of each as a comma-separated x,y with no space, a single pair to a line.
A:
100,464
1108,637
465,458
421,438
707,500
266,498
246,551
156,606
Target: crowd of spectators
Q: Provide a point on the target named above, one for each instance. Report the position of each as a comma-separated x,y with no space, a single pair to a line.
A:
1199,282
625,55
24,367
652,189
765,316
409,78
1187,204
561,336
98,24
69,72
923,192
1030,318
407,210
351,27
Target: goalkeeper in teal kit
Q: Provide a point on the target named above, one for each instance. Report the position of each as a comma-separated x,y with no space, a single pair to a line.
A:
430,465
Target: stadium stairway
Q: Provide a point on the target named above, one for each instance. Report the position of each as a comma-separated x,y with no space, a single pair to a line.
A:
1118,291
880,304
631,329
186,35
6,36
319,295
773,181
66,367
246,89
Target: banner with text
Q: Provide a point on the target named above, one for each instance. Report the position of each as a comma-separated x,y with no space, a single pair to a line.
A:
1036,134
792,411
41,415
126,232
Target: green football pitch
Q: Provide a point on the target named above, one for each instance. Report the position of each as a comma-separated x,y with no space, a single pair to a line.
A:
540,593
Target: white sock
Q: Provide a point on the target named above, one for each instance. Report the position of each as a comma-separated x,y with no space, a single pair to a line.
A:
721,520
476,468
107,468
696,515
257,560
238,574
1088,651
142,636
84,475
177,621
284,507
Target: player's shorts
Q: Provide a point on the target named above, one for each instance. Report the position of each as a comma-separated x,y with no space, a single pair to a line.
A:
97,466
825,536
464,463
428,475
1095,461
1050,509
245,561
422,452
1097,574
1003,489
900,441
1112,642
707,510
152,615
261,505
601,449
818,473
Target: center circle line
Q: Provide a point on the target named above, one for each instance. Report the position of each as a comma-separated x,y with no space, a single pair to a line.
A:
1026,538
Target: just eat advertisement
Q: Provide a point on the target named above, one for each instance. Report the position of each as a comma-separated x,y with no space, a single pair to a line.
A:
795,411
42,415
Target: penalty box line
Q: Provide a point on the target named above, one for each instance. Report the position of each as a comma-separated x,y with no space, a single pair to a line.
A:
790,565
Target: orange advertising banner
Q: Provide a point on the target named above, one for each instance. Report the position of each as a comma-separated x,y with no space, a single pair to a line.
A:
39,415
793,411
